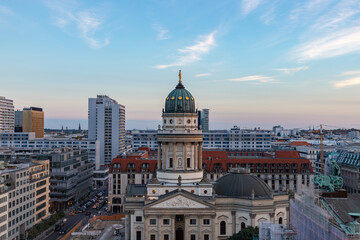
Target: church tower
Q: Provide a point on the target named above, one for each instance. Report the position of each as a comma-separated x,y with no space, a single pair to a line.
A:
179,146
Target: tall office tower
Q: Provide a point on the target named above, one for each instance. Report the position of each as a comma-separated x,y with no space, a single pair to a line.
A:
18,121
107,124
33,121
204,118
7,116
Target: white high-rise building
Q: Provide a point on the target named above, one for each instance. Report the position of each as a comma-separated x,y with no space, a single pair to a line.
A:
7,115
107,124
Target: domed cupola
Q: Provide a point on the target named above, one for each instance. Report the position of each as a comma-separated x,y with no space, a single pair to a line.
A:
240,184
180,100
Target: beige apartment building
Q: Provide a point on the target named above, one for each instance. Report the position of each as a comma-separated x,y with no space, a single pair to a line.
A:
33,121
40,176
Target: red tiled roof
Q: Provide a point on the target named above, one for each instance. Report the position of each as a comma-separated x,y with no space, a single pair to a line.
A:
287,154
220,160
300,143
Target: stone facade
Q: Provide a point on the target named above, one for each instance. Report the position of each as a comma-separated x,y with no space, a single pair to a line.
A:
179,202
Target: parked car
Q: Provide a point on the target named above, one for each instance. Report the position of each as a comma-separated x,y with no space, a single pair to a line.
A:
71,213
87,213
57,227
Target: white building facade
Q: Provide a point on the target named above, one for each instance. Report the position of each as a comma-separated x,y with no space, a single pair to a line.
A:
7,115
180,202
106,123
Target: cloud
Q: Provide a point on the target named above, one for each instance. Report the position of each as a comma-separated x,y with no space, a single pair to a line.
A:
334,44
203,74
257,78
5,10
347,82
249,5
350,73
353,80
162,34
87,23
193,53
290,71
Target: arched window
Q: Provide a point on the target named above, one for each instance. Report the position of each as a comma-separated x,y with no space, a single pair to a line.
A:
222,228
280,220
243,226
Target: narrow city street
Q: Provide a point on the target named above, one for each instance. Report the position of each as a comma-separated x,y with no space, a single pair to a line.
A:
71,221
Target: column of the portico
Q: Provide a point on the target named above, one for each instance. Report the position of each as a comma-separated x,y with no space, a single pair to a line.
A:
145,227
252,217
233,214
164,157
172,219
288,216
158,227
159,155
174,157
214,227
196,156
200,156
185,156
272,220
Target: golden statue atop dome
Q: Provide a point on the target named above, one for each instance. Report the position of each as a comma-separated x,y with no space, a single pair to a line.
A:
179,76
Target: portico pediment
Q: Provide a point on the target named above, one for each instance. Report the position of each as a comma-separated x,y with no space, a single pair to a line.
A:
178,202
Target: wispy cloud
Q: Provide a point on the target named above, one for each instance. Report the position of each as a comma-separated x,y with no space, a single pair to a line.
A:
193,53
347,82
162,33
5,10
203,74
248,6
350,73
256,78
334,29
354,80
86,22
290,71
335,44
268,16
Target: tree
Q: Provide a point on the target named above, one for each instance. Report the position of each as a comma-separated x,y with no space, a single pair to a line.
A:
246,234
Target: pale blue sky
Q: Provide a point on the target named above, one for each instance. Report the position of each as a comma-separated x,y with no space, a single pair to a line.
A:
252,62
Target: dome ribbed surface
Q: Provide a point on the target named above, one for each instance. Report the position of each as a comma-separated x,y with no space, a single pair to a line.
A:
241,185
180,100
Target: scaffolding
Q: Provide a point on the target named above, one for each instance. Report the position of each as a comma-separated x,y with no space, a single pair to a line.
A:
272,231
311,221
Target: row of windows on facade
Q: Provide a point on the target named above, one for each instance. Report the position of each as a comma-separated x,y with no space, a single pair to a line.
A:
166,221
193,236
12,232
19,219
22,208
22,190
180,121
166,236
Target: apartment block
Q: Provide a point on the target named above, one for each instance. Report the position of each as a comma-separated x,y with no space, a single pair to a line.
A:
106,123
40,176
17,140
71,176
26,188
33,121
7,115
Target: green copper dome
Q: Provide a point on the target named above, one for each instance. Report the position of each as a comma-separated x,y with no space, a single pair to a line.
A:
180,100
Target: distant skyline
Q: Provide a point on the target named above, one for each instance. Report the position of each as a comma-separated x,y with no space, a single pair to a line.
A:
253,63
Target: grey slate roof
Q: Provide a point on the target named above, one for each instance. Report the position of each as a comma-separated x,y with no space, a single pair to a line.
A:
241,185
343,206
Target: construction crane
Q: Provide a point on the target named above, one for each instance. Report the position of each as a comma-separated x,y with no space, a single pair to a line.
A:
322,149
